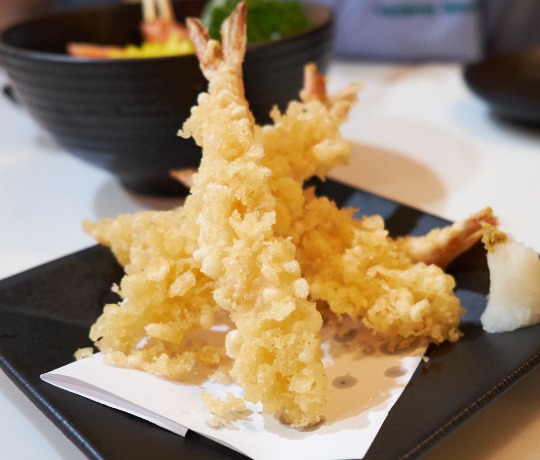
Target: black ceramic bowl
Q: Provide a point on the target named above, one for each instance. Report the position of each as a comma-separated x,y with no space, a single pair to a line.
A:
510,84
123,115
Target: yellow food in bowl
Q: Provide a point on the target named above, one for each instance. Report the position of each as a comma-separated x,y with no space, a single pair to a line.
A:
173,46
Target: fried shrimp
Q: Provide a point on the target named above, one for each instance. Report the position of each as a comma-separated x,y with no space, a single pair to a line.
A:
165,297
304,142
353,264
276,346
252,247
397,287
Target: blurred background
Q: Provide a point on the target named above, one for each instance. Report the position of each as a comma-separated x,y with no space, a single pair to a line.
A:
463,30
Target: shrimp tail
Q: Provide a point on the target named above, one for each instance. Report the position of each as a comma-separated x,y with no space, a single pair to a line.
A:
442,245
232,49
314,85
233,35
208,51
315,89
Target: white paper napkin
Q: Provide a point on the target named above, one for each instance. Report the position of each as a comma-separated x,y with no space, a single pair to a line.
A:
365,381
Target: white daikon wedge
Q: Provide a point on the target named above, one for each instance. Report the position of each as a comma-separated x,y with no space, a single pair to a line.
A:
514,292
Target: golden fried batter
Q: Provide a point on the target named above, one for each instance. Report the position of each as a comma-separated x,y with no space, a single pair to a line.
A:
276,346
251,247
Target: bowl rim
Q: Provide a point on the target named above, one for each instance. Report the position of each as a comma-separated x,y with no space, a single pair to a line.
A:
7,49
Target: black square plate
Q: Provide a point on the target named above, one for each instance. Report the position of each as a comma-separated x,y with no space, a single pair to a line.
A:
46,312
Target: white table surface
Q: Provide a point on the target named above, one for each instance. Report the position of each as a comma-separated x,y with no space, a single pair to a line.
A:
420,137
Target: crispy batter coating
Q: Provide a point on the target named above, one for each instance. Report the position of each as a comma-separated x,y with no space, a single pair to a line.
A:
165,297
276,345
353,264
251,244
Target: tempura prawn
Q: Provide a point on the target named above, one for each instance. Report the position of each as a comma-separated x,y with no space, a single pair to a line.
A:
251,242
165,297
353,264
276,345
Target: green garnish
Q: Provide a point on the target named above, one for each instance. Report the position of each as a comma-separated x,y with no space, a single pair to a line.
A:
266,19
